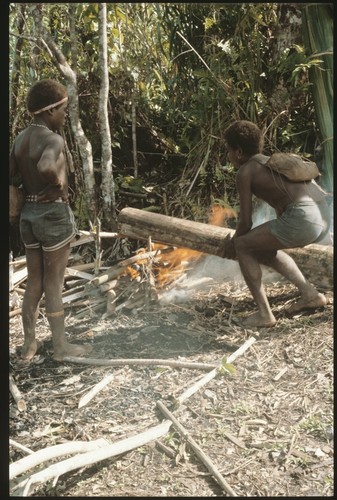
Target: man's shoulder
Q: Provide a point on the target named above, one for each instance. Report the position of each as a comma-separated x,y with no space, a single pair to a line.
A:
53,140
259,158
246,171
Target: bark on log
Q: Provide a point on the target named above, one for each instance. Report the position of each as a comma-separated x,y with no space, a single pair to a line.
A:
315,261
139,224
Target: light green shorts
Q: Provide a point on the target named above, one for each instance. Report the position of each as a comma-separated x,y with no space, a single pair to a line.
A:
302,223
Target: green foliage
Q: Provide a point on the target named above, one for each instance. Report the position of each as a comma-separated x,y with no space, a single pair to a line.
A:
191,69
318,36
227,368
315,425
81,212
129,183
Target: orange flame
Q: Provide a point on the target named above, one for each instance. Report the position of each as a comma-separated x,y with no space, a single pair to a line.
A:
170,265
219,215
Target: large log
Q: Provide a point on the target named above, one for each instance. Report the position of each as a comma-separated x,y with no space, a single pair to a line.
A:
316,261
140,224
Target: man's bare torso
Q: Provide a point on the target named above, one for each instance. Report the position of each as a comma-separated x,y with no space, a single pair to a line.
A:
274,188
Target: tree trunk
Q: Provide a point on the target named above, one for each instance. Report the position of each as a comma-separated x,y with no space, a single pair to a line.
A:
107,185
134,134
316,261
14,95
84,145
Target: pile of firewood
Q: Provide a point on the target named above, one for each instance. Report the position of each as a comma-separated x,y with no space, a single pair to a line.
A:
129,284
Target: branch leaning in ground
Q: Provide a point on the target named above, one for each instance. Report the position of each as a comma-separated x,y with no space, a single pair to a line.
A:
20,402
200,383
197,450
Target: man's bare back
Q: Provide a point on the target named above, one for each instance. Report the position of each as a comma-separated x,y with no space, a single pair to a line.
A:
33,149
275,189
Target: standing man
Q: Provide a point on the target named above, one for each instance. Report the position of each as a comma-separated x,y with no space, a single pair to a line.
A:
303,217
47,224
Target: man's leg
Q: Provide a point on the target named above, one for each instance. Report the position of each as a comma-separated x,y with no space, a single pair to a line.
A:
287,267
31,300
259,246
247,249
54,269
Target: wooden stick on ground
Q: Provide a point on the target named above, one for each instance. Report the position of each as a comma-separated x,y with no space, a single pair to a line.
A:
200,383
29,462
89,458
91,308
92,457
75,272
20,402
21,447
105,287
95,390
197,450
19,276
15,312
137,361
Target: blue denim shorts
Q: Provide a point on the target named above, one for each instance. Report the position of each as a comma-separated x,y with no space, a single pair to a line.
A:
302,223
49,226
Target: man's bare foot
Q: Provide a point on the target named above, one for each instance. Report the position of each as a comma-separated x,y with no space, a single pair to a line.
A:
71,350
29,349
255,320
303,303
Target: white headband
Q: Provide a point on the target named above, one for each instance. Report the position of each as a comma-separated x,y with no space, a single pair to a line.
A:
50,106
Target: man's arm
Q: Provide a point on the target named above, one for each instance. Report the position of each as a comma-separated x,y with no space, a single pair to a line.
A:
243,185
47,165
14,173
50,167
244,188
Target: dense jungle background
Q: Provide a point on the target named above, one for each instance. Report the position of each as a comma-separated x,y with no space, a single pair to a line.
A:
152,87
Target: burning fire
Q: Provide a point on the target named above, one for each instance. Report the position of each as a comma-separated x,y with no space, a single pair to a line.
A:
172,263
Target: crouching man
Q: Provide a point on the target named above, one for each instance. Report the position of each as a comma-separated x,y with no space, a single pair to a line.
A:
303,217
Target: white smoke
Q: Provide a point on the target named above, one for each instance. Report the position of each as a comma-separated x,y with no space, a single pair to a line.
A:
262,212
212,270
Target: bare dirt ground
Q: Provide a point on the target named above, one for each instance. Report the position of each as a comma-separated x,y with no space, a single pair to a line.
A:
265,423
